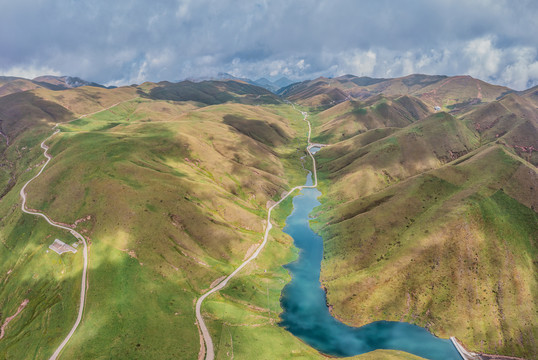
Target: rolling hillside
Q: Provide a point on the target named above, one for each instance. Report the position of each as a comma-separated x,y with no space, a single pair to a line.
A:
427,216
445,92
213,92
351,118
11,85
431,218
171,195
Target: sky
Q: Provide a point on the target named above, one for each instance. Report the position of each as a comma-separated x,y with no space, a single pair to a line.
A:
118,42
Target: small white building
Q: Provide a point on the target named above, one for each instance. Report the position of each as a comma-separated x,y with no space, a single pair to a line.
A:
60,247
437,108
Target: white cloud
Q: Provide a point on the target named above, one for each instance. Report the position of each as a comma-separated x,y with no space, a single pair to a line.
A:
522,71
360,63
126,40
483,57
182,12
29,72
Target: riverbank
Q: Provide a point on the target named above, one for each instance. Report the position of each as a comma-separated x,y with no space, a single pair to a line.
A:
305,312
206,337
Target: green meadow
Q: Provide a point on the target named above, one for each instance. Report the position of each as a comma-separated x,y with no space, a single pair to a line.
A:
426,218
430,224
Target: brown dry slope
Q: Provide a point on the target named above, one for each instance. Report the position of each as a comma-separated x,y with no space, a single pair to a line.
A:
435,222
434,90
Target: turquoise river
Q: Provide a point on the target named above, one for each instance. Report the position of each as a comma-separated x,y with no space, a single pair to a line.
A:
305,313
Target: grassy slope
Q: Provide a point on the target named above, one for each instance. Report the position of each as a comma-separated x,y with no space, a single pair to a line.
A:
513,121
16,85
87,99
447,92
212,92
351,118
459,90
111,164
174,202
383,157
28,271
393,227
176,198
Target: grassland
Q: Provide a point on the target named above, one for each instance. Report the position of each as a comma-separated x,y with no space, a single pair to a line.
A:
172,196
351,118
418,210
171,212
433,223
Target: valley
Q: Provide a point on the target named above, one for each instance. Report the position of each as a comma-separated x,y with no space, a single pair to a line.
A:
427,216
408,226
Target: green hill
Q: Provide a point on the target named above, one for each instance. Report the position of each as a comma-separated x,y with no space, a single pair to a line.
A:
427,217
434,90
391,155
12,85
452,249
171,196
213,92
434,222
350,118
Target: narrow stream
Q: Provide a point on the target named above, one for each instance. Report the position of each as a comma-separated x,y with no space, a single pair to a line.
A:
306,314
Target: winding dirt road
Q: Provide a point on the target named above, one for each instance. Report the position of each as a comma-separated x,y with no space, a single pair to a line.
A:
210,352
84,280
74,233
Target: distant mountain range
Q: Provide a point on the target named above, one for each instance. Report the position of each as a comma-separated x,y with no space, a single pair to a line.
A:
435,90
273,86
12,84
441,91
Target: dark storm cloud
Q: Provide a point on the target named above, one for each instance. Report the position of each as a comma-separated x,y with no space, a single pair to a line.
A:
125,41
